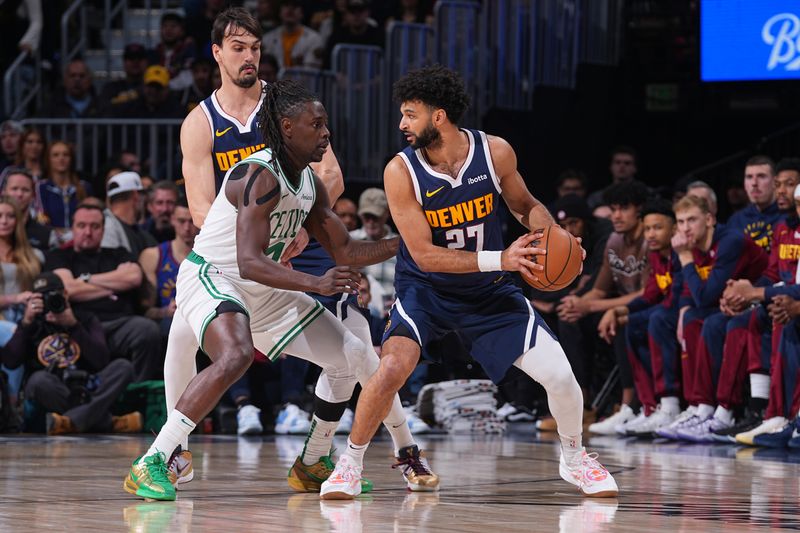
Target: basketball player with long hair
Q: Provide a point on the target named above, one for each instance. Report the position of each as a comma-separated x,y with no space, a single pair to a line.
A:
443,191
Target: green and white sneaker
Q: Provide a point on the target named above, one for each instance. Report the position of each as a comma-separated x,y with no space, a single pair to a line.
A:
148,478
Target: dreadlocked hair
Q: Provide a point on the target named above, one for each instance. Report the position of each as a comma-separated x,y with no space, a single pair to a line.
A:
282,99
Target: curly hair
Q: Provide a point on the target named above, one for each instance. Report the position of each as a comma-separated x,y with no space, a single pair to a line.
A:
626,193
282,99
436,86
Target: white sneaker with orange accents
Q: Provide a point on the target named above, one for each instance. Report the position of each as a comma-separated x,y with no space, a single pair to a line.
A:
344,483
589,476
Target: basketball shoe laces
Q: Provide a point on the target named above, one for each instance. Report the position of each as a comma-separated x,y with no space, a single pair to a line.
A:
157,468
589,463
414,464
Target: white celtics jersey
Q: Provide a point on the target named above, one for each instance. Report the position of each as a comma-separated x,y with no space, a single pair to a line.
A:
216,242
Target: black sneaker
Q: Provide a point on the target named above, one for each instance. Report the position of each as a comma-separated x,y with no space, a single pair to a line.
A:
752,419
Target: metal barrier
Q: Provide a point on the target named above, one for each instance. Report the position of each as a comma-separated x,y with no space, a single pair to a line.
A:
156,141
408,46
356,111
81,40
22,83
320,82
601,31
459,47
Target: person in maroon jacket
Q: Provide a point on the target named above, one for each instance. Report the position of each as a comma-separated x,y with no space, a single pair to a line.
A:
709,257
651,321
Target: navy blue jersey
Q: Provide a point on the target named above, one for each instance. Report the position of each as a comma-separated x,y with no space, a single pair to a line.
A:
231,141
315,260
461,212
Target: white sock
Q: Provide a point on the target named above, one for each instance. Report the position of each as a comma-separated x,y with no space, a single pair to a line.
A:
319,440
671,405
397,425
572,448
356,452
704,410
759,386
725,415
175,431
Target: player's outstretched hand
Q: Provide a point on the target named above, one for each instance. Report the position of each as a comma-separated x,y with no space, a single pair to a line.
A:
339,279
518,256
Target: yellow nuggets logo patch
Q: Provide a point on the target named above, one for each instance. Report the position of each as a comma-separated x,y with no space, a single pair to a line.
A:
703,272
663,281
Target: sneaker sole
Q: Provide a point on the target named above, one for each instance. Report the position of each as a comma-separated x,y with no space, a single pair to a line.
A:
131,488
338,495
421,488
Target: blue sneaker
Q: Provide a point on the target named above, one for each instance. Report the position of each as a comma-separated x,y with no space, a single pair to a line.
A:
778,438
794,442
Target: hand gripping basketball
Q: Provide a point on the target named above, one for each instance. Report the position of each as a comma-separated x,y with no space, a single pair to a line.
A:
561,263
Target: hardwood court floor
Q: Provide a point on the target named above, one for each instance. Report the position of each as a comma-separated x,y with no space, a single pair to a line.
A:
490,485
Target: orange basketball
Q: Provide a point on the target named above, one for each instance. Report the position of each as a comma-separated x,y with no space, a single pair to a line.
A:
561,263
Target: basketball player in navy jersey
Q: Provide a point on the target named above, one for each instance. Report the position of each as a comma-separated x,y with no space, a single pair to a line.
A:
443,191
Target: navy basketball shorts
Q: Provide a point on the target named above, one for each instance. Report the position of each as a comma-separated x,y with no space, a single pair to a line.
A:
499,324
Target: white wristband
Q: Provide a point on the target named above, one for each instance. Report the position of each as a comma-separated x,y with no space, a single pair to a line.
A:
490,261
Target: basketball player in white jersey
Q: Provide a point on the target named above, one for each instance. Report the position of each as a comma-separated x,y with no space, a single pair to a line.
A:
233,294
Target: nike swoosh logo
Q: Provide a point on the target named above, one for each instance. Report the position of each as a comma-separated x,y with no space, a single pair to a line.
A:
187,423
428,194
223,132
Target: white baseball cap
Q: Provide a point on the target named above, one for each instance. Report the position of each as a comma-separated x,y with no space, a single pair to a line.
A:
123,182
797,192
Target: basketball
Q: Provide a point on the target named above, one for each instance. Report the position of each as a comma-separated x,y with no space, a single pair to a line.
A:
562,262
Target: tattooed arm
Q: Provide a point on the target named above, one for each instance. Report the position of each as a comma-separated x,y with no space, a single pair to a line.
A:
328,229
255,192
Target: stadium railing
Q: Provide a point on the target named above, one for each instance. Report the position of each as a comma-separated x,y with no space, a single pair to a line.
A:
156,141
22,83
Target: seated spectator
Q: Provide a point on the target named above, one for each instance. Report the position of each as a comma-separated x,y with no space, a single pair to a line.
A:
19,185
357,28
199,26
327,20
77,100
67,358
650,322
758,220
175,52
267,15
293,44
105,282
116,92
412,11
373,209
619,281
61,191
157,101
31,153
571,182
268,68
345,209
10,132
19,265
623,167
201,86
572,214
160,266
122,216
162,198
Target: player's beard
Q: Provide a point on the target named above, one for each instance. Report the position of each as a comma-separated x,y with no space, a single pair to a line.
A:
427,137
246,81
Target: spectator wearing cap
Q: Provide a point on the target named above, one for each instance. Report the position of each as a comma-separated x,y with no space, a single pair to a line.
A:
10,133
175,52
357,28
66,356
106,282
116,92
19,185
62,190
292,43
123,212
77,100
157,101
373,210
